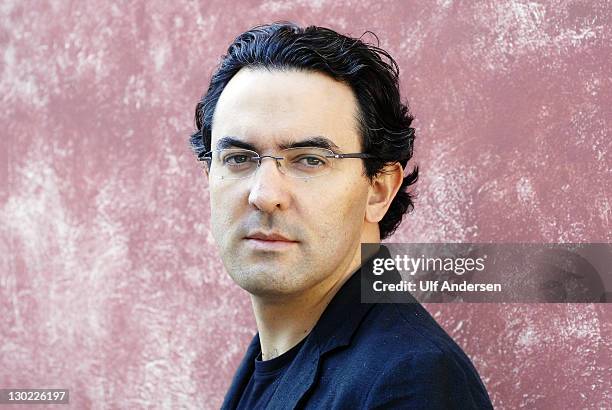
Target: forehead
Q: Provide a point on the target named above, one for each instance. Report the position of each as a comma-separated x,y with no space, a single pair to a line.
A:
270,108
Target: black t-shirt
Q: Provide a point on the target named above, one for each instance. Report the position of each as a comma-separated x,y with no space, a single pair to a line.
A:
264,379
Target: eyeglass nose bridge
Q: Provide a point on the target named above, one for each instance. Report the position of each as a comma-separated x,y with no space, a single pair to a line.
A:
278,160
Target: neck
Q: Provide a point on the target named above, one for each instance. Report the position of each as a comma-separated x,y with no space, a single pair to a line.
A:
283,323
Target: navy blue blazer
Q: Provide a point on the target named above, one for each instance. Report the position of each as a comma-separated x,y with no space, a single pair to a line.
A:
371,356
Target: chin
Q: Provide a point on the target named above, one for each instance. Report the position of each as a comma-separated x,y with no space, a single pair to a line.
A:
265,284
267,291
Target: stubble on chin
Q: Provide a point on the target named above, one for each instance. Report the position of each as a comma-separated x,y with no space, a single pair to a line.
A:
267,274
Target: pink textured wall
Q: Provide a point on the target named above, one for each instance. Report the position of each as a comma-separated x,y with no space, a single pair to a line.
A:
110,284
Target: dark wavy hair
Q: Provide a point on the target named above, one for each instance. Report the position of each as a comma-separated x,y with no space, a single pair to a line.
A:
373,75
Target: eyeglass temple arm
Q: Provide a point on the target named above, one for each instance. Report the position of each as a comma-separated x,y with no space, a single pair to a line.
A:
204,156
355,155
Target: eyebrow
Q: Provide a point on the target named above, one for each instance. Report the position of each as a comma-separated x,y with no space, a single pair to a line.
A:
315,141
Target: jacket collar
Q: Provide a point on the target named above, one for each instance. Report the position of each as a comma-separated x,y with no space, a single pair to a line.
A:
334,329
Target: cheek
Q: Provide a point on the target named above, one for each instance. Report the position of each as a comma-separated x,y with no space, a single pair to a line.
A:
225,198
224,207
337,211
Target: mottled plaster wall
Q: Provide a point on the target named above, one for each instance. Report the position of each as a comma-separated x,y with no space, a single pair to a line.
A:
110,284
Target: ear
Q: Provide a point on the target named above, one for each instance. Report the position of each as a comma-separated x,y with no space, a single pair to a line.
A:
382,190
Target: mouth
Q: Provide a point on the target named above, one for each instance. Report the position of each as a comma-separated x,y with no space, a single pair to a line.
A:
269,241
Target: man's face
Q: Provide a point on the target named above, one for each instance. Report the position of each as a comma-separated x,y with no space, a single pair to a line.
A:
323,217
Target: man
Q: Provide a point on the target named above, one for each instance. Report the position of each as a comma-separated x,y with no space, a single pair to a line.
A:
304,140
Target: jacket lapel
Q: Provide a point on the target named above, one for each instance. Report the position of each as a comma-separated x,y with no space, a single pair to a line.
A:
297,380
242,376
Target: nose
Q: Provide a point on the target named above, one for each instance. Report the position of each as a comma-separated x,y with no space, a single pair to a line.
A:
269,191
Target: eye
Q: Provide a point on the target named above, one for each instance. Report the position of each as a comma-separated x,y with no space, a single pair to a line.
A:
237,159
312,161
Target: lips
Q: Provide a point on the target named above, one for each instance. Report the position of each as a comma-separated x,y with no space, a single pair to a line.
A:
271,237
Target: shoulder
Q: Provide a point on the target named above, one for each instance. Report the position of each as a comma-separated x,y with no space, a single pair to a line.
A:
431,379
403,330
418,363
397,357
